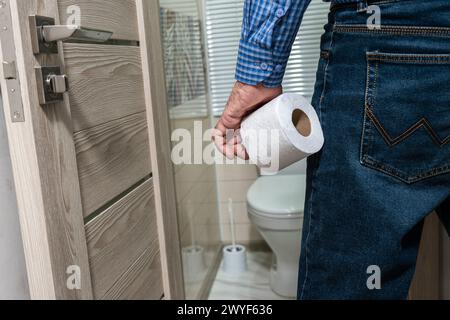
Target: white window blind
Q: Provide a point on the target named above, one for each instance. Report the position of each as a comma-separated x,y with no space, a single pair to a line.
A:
186,7
223,30
181,28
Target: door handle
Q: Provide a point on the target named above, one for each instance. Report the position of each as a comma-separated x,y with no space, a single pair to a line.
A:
73,32
45,34
51,84
57,83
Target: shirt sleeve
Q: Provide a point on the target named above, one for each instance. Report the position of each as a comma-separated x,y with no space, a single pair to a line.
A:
268,33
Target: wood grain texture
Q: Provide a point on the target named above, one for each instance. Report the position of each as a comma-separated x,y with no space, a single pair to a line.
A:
117,16
112,157
45,173
105,83
159,137
426,282
117,237
142,281
445,265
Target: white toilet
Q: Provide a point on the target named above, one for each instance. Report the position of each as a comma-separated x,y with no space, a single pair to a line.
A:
275,206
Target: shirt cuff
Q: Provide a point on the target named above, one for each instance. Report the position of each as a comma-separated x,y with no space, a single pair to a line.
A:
256,65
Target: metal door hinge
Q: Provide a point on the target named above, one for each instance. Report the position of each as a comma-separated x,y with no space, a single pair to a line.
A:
9,70
51,84
45,34
8,66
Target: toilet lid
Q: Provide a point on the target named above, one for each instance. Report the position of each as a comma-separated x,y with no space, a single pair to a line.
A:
282,195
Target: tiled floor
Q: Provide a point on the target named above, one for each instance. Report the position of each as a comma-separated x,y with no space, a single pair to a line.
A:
251,285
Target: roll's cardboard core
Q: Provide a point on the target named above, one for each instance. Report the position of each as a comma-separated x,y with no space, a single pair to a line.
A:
301,122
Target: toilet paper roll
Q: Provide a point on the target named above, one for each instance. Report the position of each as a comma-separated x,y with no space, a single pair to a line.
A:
284,131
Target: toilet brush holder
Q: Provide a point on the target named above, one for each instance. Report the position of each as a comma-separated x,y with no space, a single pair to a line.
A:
234,259
193,262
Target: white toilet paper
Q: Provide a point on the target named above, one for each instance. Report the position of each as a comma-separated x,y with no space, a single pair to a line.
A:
284,131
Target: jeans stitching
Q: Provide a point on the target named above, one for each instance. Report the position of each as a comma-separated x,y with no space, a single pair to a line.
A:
388,1
364,136
416,57
377,57
374,96
325,55
376,165
419,124
443,61
368,113
395,30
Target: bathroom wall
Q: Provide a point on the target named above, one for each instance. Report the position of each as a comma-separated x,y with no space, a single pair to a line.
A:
197,196
195,184
13,277
234,182
196,192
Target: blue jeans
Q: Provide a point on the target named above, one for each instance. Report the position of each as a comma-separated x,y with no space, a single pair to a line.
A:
383,98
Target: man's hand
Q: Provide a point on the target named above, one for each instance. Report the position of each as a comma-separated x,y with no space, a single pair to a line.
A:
244,100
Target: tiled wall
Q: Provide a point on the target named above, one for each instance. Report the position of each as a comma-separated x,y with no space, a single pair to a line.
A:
199,186
198,214
196,196
233,182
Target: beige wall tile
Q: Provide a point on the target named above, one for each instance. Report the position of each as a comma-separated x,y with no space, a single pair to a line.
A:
207,213
195,173
240,213
244,233
236,172
236,190
206,235
196,190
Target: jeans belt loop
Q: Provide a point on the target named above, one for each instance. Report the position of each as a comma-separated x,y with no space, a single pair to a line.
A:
362,6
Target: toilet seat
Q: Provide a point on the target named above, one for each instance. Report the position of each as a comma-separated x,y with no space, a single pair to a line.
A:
277,197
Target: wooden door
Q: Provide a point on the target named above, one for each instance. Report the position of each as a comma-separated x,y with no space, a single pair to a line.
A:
426,283
93,183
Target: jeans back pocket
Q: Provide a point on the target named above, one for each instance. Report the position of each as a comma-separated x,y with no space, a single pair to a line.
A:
406,131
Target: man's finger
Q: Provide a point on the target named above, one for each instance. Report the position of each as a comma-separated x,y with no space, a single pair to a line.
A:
240,151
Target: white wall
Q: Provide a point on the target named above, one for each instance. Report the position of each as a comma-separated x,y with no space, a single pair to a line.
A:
13,281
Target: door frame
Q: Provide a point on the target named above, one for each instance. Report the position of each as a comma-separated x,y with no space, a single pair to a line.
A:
160,142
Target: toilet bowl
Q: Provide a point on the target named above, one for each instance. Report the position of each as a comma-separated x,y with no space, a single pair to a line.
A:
275,207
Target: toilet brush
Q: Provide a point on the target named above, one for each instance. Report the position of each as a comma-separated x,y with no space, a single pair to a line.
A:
232,225
193,255
234,256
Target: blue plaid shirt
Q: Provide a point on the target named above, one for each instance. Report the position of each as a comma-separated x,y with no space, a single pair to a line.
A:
268,33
